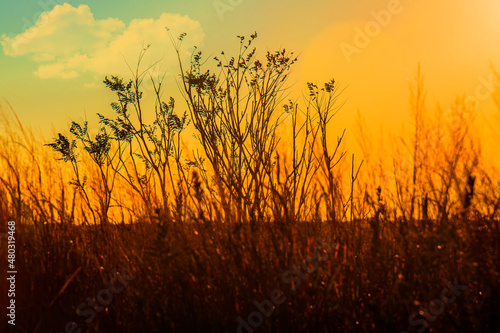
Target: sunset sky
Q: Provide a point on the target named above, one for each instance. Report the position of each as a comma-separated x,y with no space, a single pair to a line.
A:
52,64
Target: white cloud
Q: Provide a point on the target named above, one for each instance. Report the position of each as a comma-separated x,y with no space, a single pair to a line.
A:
69,41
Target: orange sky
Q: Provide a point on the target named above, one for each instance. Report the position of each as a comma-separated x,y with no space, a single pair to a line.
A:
375,55
53,71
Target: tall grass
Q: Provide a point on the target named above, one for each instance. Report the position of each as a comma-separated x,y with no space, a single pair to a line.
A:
207,231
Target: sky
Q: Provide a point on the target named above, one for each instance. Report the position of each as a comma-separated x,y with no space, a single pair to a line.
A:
54,54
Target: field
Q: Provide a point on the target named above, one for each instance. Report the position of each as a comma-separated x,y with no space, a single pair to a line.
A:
267,225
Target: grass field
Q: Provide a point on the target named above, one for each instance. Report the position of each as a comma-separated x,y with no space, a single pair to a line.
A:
268,225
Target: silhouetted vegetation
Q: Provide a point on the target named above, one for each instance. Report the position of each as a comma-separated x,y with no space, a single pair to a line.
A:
207,230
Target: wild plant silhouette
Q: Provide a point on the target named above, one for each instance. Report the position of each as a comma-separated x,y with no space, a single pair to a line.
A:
209,208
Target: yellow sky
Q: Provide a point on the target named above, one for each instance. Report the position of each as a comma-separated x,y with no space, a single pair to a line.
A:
454,49
376,55
372,48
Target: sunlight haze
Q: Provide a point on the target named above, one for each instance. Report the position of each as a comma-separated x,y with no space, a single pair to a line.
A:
53,68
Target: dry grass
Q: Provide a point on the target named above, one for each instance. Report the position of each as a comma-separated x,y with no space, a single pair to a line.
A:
202,248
